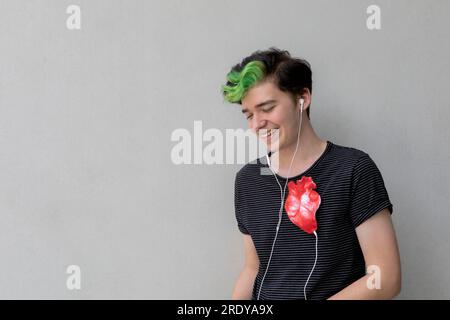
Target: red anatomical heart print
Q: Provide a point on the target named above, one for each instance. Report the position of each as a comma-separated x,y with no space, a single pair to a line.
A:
302,203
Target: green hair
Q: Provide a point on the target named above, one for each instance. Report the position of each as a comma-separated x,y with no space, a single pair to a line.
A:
240,82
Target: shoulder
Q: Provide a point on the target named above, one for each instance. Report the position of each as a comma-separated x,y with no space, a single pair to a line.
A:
349,152
360,166
350,156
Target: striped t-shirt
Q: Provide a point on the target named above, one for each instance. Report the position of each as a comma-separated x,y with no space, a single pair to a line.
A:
351,189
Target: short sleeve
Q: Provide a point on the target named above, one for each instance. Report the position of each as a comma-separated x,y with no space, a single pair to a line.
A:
368,195
239,207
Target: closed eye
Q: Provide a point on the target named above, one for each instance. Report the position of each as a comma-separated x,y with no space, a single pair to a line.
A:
264,110
269,109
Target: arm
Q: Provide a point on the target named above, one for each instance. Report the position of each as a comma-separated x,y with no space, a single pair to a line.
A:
379,245
244,284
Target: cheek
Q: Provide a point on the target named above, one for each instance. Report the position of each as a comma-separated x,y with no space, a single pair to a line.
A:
280,119
289,127
285,121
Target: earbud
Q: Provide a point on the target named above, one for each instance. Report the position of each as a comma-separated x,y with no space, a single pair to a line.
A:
302,101
282,195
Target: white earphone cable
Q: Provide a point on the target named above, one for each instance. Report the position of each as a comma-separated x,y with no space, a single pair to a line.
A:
283,192
304,288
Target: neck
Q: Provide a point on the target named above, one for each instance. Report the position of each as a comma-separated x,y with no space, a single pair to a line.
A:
309,149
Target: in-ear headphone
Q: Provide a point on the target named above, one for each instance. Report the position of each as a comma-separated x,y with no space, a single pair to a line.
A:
282,195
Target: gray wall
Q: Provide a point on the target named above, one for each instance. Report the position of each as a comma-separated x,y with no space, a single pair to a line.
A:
86,117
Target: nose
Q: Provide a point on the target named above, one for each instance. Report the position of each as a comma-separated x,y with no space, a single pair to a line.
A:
257,123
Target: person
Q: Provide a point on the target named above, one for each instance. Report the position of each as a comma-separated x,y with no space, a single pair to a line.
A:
355,253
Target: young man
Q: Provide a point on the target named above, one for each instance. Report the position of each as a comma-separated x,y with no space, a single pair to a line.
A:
353,228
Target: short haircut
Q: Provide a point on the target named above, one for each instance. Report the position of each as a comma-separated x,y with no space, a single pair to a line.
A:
291,75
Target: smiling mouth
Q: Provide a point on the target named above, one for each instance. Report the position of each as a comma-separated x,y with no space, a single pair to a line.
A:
267,134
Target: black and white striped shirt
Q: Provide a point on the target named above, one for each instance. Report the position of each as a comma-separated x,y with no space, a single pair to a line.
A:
351,189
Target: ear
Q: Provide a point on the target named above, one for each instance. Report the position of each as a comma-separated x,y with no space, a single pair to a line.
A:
306,95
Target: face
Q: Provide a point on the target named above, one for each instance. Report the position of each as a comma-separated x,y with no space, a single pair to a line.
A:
267,107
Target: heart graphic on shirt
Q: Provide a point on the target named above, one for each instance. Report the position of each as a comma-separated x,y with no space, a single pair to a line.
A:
302,203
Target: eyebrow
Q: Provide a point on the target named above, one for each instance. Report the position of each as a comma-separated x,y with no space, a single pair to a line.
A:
261,104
